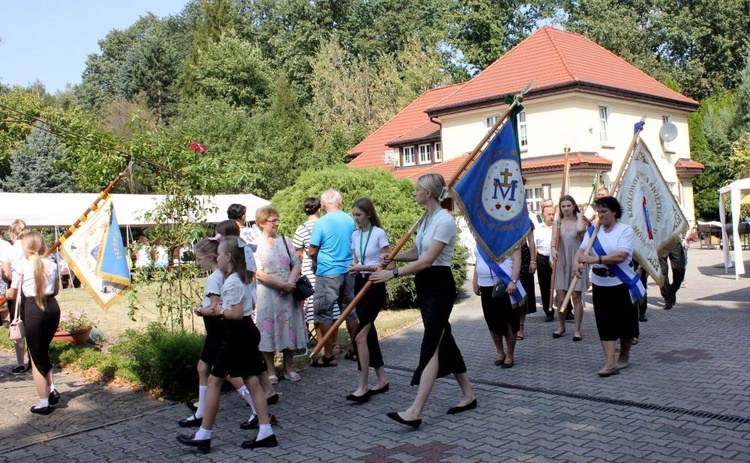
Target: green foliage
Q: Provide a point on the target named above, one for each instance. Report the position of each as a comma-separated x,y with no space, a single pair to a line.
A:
393,199
232,70
164,360
740,159
35,167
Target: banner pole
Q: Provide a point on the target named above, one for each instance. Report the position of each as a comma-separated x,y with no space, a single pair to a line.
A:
402,242
92,207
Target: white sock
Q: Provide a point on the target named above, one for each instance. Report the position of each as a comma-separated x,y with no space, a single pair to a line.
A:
203,434
43,403
51,388
201,401
264,431
245,394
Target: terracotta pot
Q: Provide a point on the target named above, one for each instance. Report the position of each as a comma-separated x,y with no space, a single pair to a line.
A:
76,337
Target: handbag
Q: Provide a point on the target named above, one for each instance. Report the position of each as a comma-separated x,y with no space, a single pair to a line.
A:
498,291
303,288
16,329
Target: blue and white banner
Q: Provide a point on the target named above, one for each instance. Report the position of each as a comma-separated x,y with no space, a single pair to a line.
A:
492,195
96,254
649,207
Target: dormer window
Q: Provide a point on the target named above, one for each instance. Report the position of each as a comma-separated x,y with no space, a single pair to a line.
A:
408,155
424,154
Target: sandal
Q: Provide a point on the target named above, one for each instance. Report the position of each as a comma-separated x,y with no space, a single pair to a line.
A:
324,362
351,355
519,336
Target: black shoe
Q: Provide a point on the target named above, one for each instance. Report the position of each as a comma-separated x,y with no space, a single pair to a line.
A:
502,365
557,335
471,405
192,405
20,368
668,306
251,423
550,317
54,397
642,319
396,417
204,445
360,399
191,422
273,400
269,441
42,410
381,390
577,338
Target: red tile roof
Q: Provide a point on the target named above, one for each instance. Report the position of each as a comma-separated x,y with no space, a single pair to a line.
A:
560,61
427,131
577,161
688,167
369,152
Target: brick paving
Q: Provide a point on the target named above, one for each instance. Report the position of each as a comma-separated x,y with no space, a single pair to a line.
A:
685,398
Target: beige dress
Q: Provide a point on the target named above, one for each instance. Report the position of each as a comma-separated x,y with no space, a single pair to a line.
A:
567,247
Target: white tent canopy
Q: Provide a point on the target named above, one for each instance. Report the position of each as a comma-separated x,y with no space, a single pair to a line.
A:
63,209
735,190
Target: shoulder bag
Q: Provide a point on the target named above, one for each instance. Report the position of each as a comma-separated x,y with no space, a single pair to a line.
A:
303,288
16,330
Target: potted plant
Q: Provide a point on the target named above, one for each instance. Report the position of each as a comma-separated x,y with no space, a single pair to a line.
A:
74,327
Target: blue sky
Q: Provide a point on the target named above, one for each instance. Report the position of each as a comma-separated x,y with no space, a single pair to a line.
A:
50,40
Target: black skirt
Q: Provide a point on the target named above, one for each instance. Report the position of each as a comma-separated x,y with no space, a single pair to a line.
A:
214,338
499,313
436,292
238,355
616,316
41,325
367,311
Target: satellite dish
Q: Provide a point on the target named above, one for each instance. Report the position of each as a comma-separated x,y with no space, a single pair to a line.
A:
668,132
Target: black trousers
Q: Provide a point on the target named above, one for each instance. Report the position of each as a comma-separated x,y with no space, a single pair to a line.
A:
544,273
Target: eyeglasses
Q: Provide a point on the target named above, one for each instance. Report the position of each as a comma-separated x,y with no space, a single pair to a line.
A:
274,221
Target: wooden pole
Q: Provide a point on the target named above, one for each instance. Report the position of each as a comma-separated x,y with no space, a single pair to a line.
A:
92,207
575,278
337,323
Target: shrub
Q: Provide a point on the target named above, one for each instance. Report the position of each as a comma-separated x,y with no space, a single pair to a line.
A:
163,360
393,199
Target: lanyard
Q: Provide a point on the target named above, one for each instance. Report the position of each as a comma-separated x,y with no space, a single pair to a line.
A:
424,230
363,250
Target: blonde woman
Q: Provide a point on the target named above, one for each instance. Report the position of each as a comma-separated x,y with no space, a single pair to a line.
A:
429,260
37,279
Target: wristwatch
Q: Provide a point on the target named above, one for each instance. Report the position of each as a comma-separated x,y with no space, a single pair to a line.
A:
515,282
395,272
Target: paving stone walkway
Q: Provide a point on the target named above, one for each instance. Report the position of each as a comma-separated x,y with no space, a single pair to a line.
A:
684,398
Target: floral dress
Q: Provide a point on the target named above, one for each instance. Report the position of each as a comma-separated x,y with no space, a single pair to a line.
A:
280,319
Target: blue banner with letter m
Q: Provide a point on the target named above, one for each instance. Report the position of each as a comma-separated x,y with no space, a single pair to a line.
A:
492,194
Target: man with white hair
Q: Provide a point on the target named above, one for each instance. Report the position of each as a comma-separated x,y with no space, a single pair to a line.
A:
331,253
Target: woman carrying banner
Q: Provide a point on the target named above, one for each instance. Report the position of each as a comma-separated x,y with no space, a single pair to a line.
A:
502,313
613,281
430,260
571,228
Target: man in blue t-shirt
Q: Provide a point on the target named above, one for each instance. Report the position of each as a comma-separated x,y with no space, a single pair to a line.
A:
331,253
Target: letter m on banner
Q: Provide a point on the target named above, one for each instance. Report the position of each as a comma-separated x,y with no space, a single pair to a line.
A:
492,195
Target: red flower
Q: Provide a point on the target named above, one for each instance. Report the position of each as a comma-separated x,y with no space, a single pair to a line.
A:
198,147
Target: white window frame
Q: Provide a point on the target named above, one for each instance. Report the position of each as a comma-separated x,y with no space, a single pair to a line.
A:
667,145
489,121
604,114
438,148
534,197
523,138
424,154
407,152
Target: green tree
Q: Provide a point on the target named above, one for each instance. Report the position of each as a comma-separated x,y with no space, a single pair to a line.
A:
153,68
233,70
35,167
740,159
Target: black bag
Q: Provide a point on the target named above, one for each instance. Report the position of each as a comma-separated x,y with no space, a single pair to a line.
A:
498,291
303,288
